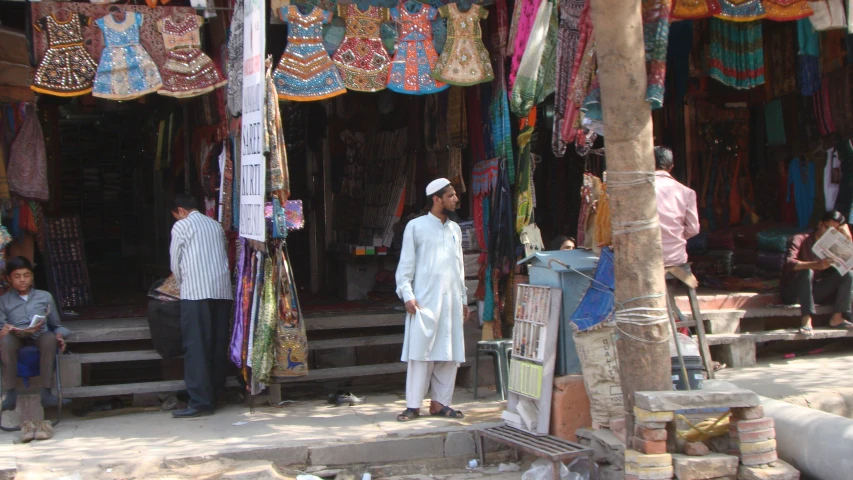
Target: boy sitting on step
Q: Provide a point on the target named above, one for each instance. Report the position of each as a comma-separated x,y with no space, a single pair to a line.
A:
19,308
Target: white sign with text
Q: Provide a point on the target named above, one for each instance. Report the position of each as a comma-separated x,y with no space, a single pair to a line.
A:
252,160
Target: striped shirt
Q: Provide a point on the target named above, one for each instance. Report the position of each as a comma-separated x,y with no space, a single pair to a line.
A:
199,258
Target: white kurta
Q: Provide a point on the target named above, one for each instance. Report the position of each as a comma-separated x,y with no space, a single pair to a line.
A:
431,271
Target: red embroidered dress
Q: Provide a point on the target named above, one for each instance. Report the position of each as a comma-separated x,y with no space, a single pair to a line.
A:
188,71
361,58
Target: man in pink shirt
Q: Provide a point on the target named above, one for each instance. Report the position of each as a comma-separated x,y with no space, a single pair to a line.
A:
677,213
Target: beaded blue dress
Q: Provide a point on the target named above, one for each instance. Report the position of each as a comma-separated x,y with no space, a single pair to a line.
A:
305,72
126,70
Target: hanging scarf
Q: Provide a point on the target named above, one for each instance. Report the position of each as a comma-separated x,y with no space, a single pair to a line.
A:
656,40
524,209
457,126
263,356
523,31
278,178
572,109
256,306
235,61
291,344
567,43
28,160
527,88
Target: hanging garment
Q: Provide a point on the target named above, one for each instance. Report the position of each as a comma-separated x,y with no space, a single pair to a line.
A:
235,61
774,123
585,47
464,60
737,53
415,57
828,15
786,10
694,9
522,27
740,10
361,58
656,39
524,191
67,69
305,71
567,43
526,92
291,342
278,177
808,75
188,72
263,348
126,70
802,178
844,200
28,160
780,58
831,178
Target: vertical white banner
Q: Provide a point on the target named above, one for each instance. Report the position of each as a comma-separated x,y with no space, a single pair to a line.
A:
252,160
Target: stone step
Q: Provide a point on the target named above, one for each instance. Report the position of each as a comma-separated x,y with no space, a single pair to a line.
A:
719,321
738,349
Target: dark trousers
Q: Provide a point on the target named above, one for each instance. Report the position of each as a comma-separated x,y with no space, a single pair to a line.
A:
204,331
809,288
9,346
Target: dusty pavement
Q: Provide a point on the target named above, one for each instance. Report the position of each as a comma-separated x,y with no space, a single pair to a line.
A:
822,381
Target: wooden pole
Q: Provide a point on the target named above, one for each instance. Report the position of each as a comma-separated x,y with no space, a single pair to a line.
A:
643,350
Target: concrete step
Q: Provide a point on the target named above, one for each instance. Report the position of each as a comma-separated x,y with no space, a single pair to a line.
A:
720,321
738,349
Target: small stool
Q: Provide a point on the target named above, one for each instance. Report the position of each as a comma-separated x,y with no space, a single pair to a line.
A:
500,351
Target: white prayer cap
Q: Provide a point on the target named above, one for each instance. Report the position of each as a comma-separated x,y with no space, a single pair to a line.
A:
436,185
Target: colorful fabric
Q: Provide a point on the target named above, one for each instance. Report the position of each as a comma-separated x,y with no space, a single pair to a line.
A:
568,37
570,124
786,10
802,178
278,177
263,351
528,90
291,342
737,53
524,192
464,60
741,10
656,40
808,74
126,70
807,38
415,56
67,69
305,71
28,160
780,58
235,61
523,25
694,9
361,58
188,72
484,179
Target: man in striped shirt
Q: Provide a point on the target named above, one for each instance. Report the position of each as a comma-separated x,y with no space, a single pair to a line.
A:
200,265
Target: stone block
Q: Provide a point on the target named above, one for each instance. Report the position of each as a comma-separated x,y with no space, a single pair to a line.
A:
649,473
721,444
755,425
643,460
696,449
753,413
739,353
779,470
400,449
644,415
757,436
651,434
649,448
758,447
651,425
757,459
610,472
569,407
669,401
608,447
713,465
460,444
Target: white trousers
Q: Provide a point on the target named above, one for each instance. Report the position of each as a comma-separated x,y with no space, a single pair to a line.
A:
439,377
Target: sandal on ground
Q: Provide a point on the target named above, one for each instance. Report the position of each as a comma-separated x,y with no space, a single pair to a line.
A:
844,324
408,415
807,330
449,413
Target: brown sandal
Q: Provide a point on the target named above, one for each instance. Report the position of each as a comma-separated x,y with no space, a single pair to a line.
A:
408,415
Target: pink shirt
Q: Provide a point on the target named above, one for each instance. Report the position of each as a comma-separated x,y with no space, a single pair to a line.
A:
678,216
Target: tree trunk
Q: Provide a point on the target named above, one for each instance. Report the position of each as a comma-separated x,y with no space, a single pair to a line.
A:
644,359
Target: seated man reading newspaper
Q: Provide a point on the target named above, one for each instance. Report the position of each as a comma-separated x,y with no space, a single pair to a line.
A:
817,271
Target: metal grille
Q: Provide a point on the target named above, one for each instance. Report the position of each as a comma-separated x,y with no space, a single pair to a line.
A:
547,446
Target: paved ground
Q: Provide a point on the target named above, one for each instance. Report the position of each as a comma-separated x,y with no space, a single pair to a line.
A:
136,445
820,381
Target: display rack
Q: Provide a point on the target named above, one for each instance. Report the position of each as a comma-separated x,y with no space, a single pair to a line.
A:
68,276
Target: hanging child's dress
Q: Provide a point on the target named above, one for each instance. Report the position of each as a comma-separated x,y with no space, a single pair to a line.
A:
305,71
67,69
415,56
126,70
361,58
188,72
737,53
464,60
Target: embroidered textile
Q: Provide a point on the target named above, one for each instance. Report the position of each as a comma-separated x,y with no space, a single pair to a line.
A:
529,89
780,58
524,209
235,61
484,179
278,177
585,39
786,10
656,40
415,56
305,71
66,69
737,53
361,58
291,342
523,26
464,60
188,72
694,9
567,43
263,350
741,11
126,70
28,160
513,28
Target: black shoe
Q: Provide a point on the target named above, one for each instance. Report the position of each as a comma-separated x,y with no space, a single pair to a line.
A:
191,413
348,399
11,400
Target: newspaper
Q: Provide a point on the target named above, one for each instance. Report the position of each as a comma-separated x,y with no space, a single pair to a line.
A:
835,246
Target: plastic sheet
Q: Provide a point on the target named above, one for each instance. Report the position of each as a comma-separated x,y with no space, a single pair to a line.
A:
597,302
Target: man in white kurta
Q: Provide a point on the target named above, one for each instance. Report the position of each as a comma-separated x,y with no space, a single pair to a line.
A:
431,281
